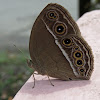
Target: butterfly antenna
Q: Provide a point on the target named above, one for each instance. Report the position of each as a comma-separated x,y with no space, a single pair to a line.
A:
21,51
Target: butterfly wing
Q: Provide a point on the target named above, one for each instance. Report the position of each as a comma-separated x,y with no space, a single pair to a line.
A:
53,42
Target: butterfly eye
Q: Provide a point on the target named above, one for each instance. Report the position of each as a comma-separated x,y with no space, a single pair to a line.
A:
79,62
52,15
67,42
78,54
60,29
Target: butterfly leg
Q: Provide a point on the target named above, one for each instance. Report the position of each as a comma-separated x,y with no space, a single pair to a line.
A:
50,81
34,80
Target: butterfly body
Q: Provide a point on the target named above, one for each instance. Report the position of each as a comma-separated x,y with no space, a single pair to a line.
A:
57,48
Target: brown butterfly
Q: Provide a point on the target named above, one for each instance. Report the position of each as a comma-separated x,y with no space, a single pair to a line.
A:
57,48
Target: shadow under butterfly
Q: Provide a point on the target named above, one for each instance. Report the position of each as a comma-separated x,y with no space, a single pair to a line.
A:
57,48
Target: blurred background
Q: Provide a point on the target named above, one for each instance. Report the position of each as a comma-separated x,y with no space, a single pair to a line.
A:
16,20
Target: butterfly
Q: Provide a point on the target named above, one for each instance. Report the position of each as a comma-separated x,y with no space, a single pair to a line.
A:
57,48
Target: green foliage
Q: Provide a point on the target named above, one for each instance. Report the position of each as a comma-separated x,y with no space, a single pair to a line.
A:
95,5
11,58
88,5
13,73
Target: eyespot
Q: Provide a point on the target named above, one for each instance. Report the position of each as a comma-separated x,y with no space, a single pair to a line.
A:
79,62
60,28
77,54
76,48
82,71
52,15
67,42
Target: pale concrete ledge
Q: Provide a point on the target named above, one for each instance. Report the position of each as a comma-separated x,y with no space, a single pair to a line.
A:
70,90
